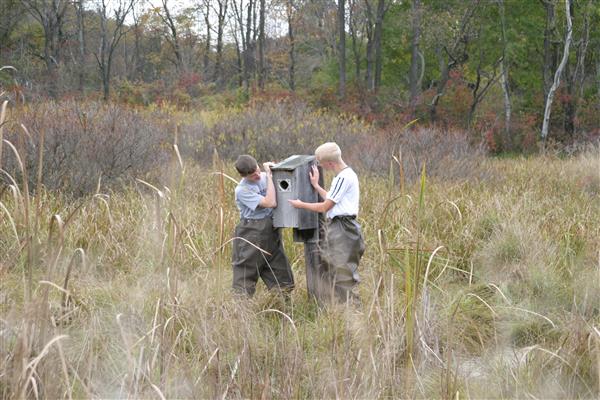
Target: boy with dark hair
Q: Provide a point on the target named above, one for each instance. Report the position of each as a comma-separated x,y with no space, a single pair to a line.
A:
257,249
343,245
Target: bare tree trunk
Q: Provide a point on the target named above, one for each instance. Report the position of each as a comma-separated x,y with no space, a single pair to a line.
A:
81,42
582,51
504,79
137,70
559,71
102,59
254,41
221,13
261,46
238,53
598,77
248,53
353,34
58,10
254,27
51,68
173,36
341,21
507,103
60,37
238,22
109,43
292,67
414,47
574,81
381,9
549,47
369,72
568,101
206,59
369,30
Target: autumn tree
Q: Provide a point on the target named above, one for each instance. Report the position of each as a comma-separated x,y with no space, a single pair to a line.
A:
111,33
50,14
452,51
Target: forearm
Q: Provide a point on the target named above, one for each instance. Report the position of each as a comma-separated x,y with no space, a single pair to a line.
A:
322,192
270,197
316,207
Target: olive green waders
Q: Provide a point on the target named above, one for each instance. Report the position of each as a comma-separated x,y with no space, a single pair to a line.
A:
341,251
249,262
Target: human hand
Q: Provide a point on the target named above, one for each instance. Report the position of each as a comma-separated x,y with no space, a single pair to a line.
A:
314,176
267,167
295,203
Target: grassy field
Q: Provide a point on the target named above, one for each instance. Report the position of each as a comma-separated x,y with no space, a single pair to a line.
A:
486,287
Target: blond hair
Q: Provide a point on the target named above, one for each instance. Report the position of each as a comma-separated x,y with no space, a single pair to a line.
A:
329,151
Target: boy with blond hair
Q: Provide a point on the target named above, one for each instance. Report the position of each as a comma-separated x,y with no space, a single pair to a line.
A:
343,245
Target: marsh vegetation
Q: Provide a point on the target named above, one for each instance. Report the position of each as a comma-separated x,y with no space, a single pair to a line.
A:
481,276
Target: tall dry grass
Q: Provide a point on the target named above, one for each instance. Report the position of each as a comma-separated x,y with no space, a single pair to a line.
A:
480,288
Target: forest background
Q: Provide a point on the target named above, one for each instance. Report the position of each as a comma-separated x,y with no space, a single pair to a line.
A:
483,66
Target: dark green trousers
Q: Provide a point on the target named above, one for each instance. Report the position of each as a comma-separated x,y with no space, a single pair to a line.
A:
341,251
250,263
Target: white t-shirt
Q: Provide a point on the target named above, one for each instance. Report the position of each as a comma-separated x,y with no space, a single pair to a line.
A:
344,192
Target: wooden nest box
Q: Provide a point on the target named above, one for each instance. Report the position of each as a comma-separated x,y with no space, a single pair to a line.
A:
292,181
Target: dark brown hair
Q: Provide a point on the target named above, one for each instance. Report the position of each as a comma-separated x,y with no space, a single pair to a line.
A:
245,164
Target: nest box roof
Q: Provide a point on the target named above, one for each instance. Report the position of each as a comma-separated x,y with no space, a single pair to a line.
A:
292,162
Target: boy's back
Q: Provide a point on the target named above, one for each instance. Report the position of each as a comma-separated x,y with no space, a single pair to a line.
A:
345,193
